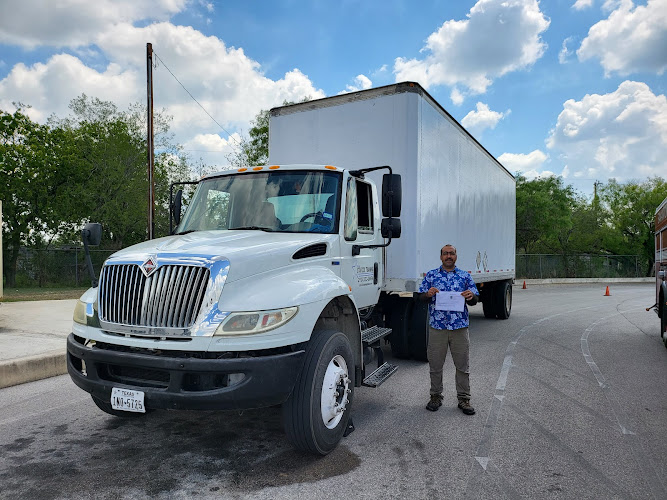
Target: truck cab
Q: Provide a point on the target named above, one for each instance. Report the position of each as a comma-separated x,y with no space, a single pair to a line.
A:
256,299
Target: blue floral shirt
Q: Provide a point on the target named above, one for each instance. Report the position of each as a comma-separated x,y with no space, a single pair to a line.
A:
453,281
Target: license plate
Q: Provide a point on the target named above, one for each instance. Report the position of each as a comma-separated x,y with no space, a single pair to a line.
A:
127,400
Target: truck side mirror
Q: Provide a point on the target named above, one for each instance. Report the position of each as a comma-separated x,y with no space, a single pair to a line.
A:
92,233
391,195
176,207
391,228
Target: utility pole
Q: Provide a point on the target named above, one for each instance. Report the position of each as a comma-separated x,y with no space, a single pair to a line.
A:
595,189
149,140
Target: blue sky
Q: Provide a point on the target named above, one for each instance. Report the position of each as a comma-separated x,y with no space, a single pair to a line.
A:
574,88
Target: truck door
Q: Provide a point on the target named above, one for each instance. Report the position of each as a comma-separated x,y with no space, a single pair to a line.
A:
363,272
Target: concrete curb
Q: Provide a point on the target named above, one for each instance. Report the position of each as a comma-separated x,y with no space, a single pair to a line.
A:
574,281
32,368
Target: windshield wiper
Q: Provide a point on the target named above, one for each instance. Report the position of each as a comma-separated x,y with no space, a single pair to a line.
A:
185,232
260,228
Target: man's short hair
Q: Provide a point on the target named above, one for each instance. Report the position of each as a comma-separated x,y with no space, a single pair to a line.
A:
447,245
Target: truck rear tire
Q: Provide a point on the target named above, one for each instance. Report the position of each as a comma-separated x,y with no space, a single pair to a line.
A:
399,322
504,300
419,331
315,415
488,296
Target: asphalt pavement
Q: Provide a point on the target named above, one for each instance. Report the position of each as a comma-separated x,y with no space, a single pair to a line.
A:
33,333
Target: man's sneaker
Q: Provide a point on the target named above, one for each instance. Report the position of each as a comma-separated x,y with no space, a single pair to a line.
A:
435,402
464,406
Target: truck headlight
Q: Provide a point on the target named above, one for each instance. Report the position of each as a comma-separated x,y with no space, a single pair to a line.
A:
250,322
85,313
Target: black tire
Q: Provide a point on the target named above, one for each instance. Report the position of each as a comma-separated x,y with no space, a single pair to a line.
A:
663,318
303,412
504,300
105,406
419,331
399,322
488,297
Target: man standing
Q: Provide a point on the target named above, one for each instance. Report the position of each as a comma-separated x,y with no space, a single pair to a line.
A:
448,326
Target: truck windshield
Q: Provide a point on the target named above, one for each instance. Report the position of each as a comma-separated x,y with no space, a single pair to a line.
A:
286,201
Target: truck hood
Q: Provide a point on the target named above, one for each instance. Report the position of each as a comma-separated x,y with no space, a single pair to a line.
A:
249,252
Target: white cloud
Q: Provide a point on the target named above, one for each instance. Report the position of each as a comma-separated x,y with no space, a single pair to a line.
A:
361,82
582,4
529,165
227,83
74,23
497,38
565,52
632,39
478,120
456,96
622,134
49,87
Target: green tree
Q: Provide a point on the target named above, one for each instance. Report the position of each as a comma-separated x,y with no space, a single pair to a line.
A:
631,221
113,155
543,214
36,173
255,149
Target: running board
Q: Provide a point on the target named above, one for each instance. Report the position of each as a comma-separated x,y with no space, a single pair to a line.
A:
373,334
379,375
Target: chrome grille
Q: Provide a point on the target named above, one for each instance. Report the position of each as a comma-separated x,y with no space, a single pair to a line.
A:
169,298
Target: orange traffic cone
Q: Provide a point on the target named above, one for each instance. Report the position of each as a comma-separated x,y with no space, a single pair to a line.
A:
524,285
607,294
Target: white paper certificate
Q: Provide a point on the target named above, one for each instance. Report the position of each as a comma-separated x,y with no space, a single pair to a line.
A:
449,301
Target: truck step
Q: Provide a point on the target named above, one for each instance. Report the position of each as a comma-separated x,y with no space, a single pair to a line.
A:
370,335
380,374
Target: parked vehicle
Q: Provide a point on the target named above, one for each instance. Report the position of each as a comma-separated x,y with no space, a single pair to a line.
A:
281,283
661,268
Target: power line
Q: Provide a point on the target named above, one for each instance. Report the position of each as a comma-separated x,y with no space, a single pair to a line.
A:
195,100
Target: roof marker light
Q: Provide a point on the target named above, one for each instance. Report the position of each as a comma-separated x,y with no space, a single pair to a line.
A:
242,169
330,167
257,168
274,167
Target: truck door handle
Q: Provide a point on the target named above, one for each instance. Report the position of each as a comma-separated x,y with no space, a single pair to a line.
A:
375,273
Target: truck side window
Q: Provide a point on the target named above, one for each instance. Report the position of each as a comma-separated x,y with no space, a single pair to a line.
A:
364,207
351,211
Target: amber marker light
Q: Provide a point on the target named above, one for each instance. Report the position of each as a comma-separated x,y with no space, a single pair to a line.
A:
330,167
242,169
274,167
258,168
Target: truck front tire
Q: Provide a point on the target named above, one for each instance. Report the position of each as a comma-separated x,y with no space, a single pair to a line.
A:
316,414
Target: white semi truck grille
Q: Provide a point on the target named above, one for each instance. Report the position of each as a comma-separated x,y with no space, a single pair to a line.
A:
169,298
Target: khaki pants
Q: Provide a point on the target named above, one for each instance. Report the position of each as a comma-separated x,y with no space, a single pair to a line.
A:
459,343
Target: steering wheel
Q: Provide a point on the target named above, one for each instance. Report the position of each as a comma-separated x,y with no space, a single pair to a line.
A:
311,214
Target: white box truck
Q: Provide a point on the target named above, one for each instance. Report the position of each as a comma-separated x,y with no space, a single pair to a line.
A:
281,283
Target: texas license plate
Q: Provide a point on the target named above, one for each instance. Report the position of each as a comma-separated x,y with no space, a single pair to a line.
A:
127,400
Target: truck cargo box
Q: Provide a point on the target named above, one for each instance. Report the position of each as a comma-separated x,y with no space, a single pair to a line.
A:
454,190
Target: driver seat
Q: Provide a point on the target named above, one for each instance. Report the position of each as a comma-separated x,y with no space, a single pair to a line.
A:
266,216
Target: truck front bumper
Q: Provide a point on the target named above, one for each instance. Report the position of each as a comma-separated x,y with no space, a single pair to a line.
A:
183,382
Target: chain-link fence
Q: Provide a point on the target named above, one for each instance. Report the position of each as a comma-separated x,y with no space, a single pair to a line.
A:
64,267
57,267
543,266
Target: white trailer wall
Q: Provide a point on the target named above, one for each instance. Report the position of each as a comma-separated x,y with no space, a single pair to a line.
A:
453,190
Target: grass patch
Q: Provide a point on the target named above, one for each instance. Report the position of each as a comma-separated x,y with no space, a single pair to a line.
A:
22,294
